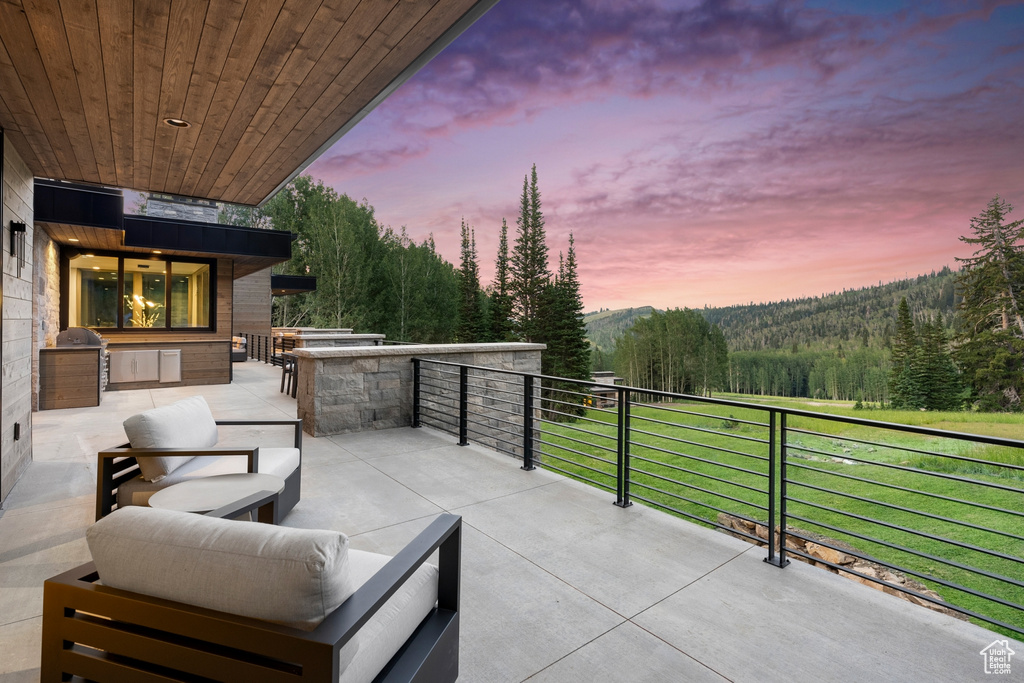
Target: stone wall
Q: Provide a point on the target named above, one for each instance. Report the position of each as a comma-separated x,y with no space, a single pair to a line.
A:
16,350
45,302
360,388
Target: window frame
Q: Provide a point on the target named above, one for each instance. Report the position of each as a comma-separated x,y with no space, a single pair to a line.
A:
167,259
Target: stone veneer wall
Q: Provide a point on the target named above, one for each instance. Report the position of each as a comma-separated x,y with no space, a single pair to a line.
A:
45,302
360,388
16,372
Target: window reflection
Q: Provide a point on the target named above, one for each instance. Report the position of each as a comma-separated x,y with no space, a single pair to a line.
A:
150,294
144,297
190,294
92,291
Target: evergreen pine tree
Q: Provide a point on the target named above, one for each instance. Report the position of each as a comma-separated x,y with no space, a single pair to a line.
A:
903,382
937,377
576,348
471,323
500,314
991,338
529,261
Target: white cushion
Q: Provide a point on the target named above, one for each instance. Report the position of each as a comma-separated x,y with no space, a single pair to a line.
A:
385,633
280,462
185,424
294,577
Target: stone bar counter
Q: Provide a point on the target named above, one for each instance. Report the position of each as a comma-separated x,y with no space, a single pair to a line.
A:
321,339
357,388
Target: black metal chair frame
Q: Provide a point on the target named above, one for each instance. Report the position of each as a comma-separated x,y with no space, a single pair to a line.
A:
118,465
105,634
289,374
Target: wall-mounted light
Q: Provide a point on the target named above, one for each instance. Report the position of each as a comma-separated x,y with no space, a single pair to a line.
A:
18,232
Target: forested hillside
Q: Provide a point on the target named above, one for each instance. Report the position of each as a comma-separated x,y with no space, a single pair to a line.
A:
831,346
856,318
604,326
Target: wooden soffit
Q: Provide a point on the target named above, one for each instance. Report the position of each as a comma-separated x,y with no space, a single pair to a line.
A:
266,85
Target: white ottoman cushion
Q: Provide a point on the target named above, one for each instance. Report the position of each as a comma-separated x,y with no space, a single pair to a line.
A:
294,577
185,424
280,462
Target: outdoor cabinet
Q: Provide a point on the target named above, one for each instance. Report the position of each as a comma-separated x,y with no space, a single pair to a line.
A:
135,366
170,365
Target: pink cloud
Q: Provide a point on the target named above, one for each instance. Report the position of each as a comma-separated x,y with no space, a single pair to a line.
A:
715,153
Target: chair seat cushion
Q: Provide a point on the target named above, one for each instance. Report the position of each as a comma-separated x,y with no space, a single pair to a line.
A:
387,630
294,577
187,423
277,461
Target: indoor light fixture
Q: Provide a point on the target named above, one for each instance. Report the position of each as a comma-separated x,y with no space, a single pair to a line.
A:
177,123
157,251
72,239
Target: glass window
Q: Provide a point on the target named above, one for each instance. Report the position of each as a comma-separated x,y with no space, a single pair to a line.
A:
92,291
145,293
154,293
190,294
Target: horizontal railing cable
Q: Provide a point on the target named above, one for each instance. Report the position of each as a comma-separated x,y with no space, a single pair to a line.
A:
720,449
902,468
701,429
893,506
704,460
654,406
908,449
703,475
919,492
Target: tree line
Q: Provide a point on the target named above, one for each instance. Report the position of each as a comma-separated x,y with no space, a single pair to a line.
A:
676,351
373,278
953,340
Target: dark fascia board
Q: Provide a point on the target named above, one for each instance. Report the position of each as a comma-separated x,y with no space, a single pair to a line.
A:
282,285
75,204
446,39
150,232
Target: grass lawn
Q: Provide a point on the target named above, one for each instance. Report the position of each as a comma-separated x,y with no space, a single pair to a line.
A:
863,485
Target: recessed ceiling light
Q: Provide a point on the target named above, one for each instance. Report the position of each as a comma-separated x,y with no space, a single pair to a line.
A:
89,255
72,239
177,123
157,251
95,267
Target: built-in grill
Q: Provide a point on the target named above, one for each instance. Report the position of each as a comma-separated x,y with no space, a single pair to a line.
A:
80,336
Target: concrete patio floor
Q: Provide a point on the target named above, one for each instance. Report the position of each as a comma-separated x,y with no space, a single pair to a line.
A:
558,583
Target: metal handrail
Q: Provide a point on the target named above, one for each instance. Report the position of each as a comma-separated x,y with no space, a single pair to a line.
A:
658,472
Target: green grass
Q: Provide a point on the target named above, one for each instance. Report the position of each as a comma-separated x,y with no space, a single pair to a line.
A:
693,460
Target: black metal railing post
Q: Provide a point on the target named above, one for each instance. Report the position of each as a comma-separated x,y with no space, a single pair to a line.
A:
782,492
416,392
463,405
771,489
528,422
622,449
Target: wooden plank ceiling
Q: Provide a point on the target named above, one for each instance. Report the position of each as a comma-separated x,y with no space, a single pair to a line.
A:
267,85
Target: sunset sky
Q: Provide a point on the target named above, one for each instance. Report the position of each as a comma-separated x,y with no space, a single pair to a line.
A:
708,153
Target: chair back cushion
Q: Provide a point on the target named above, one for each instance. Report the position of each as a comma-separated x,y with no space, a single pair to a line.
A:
185,424
294,577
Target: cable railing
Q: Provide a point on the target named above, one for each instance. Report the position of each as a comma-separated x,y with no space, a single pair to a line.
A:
933,516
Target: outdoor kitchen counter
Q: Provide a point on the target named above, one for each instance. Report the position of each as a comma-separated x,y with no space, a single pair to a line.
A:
70,376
